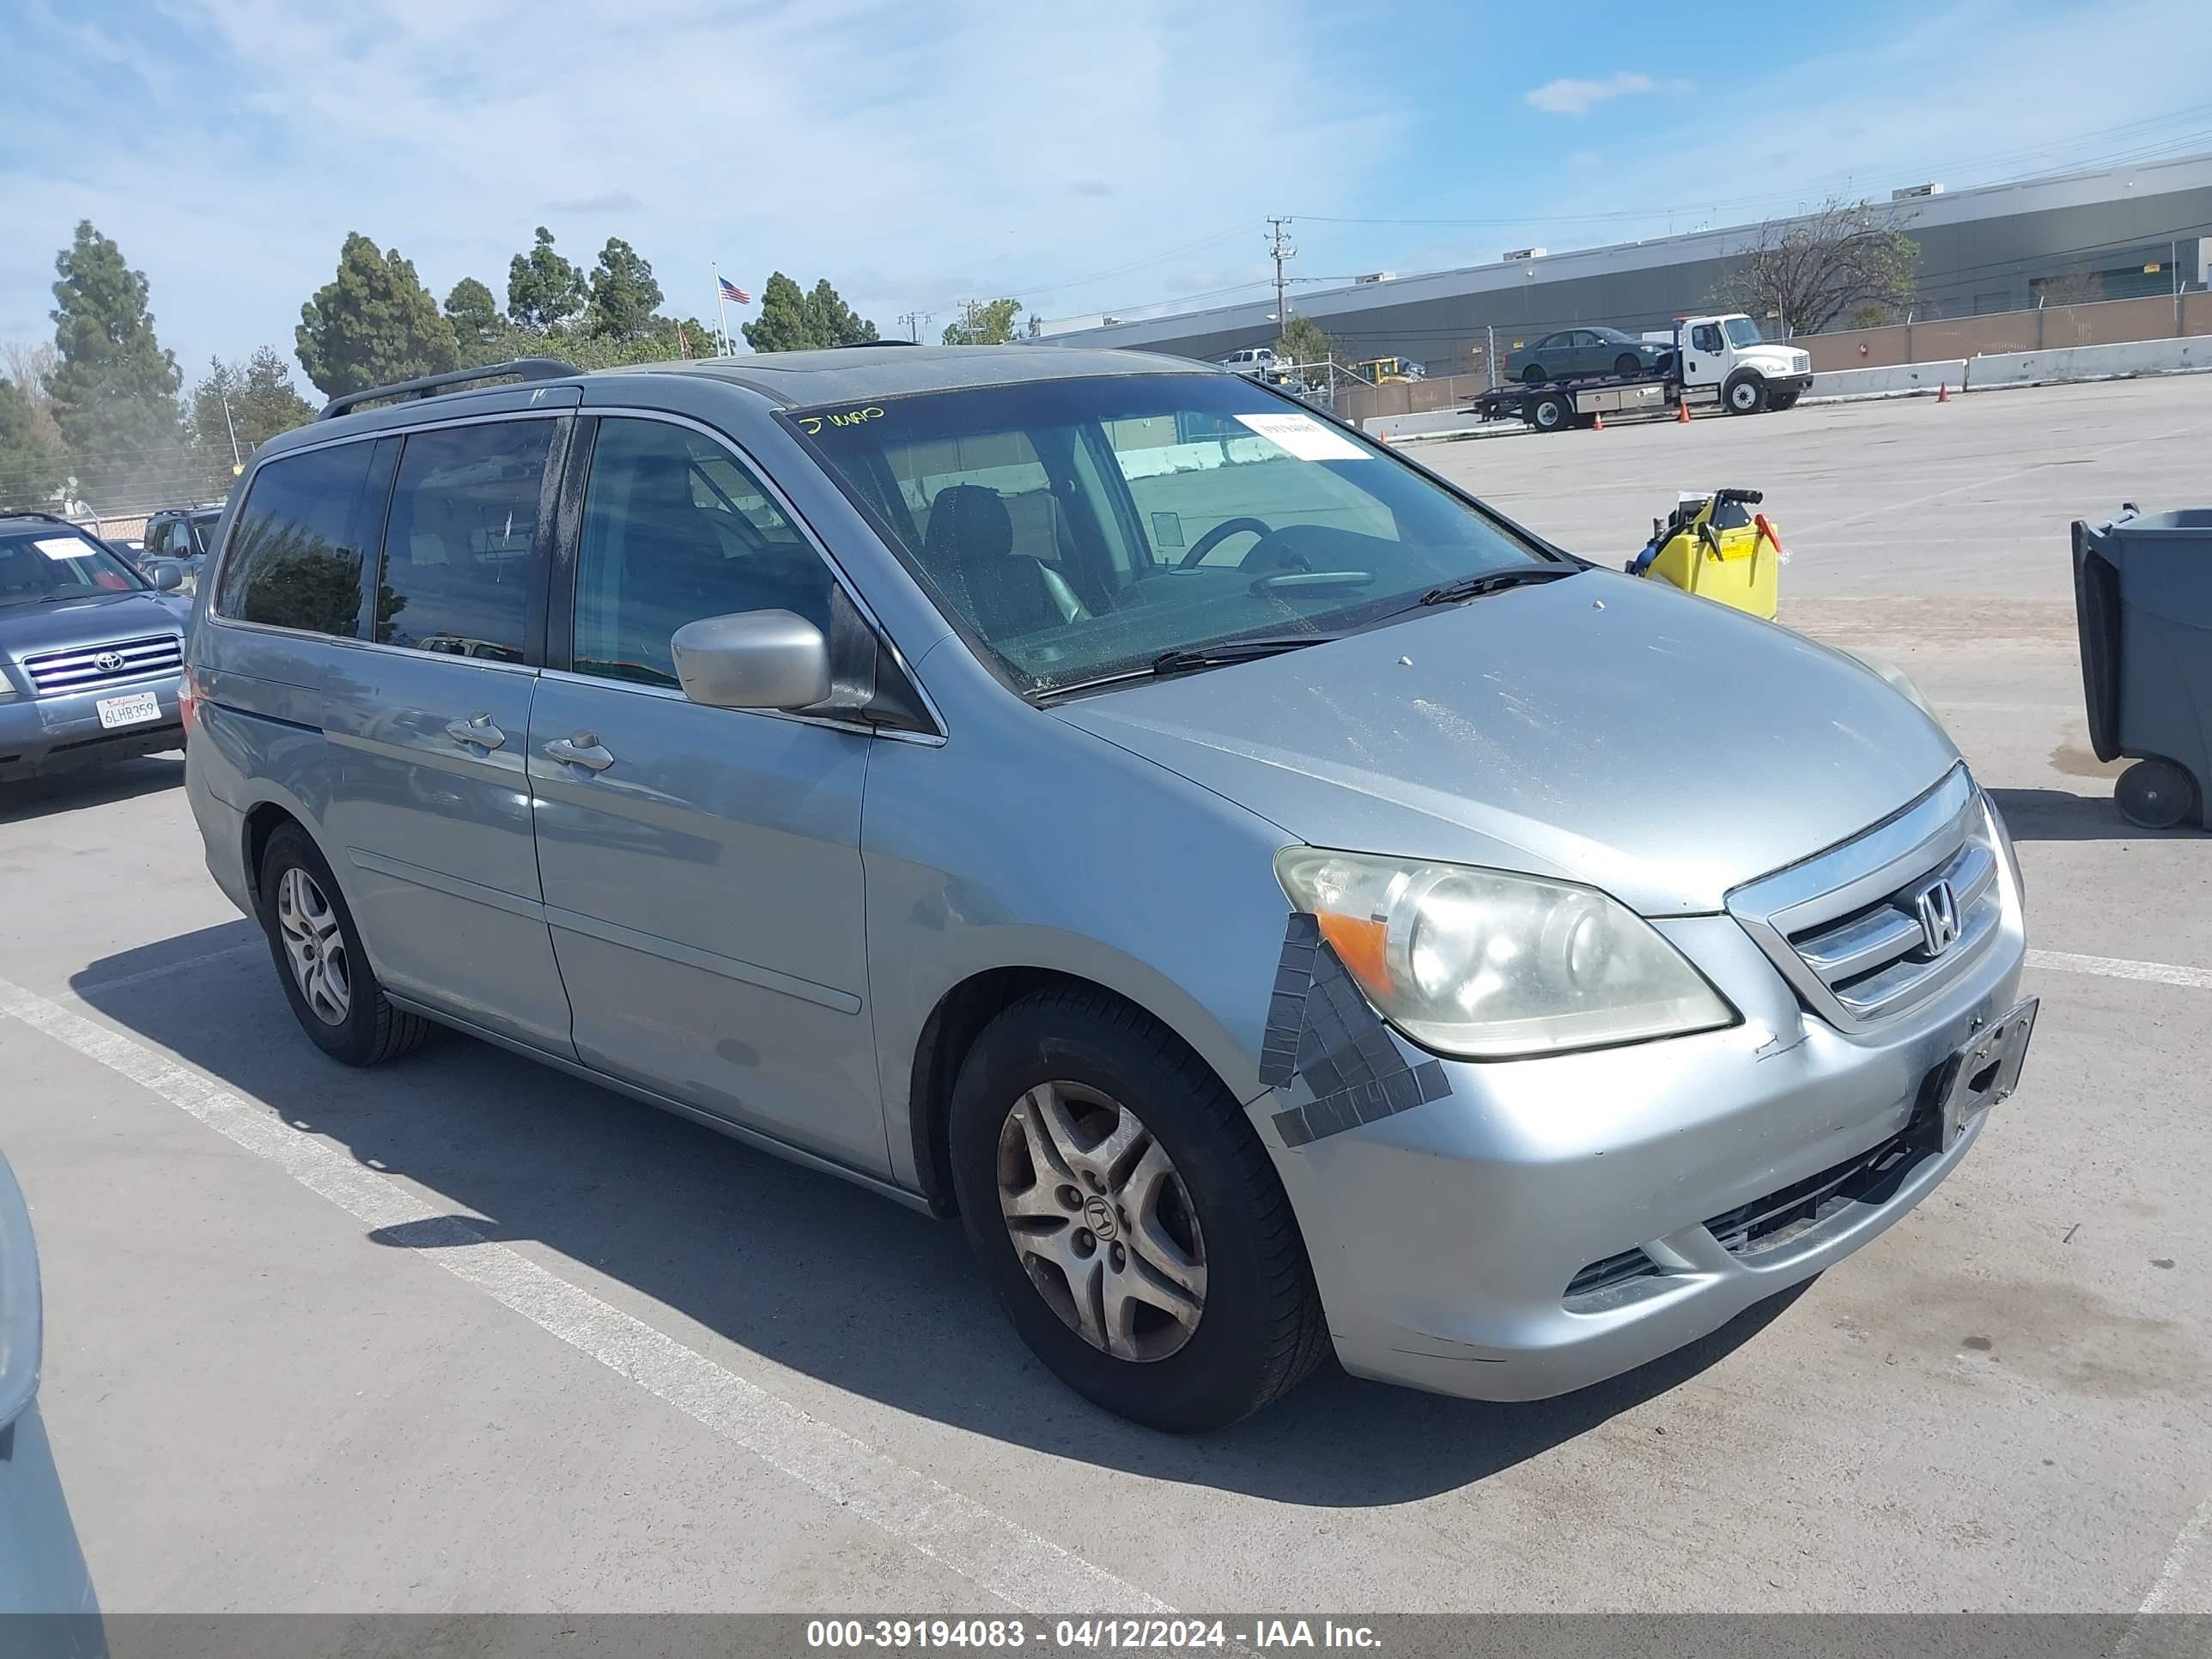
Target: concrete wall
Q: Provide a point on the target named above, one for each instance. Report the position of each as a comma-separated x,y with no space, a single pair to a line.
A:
2106,322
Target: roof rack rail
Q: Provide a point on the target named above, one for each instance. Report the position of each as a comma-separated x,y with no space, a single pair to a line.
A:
522,369
877,343
35,513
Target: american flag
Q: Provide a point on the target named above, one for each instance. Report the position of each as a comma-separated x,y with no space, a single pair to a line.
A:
731,291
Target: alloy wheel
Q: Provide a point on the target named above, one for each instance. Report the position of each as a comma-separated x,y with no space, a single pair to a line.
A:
315,946
1101,1221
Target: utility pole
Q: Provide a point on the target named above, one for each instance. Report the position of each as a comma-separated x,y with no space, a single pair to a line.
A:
915,321
237,461
1279,244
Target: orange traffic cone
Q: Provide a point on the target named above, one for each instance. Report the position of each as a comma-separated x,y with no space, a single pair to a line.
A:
1597,421
1942,392
1681,413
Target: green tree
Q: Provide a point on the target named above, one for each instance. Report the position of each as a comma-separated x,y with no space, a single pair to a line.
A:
832,321
1303,341
480,333
31,467
543,290
1811,270
782,325
791,320
984,323
113,390
624,293
373,325
238,407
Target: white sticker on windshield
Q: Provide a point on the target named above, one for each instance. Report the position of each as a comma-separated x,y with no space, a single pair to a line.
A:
1304,437
61,547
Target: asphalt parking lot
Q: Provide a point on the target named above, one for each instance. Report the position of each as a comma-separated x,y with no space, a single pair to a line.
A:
465,1334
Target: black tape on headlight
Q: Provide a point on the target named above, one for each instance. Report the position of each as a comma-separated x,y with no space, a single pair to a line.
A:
1321,1033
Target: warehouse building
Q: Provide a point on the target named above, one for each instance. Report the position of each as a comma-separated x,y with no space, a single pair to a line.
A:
2117,232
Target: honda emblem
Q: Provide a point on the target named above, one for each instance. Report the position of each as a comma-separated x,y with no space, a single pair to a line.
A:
1937,907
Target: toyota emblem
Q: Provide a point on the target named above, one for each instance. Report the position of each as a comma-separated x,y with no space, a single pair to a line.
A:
109,662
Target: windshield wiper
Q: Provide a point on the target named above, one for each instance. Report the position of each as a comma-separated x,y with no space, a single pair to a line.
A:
1229,651
1496,581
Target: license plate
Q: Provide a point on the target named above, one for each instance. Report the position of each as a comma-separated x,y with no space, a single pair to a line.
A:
134,710
1986,1069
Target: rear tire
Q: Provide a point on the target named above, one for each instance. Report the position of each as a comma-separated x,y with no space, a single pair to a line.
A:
1531,375
326,973
1087,1060
2155,794
1550,413
1744,395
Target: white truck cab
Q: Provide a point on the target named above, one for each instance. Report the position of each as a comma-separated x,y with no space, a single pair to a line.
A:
1724,355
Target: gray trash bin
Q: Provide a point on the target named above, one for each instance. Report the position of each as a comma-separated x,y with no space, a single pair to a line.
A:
2143,602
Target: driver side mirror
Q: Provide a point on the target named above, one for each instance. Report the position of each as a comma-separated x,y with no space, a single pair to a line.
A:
752,659
168,579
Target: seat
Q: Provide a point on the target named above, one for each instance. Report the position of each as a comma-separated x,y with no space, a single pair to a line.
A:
969,550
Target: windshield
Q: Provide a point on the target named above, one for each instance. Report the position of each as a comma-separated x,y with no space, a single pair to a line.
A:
57,563
1079,529
1742,332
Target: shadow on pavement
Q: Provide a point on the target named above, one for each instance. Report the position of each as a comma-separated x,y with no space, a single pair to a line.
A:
796,1266
90,786
2059,815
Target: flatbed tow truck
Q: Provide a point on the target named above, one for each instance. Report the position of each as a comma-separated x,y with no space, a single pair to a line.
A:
1717,360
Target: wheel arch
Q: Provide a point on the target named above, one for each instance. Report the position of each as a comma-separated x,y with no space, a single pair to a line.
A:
959,1016
260,821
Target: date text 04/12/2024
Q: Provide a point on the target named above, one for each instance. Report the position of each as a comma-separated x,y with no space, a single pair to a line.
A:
1084,1635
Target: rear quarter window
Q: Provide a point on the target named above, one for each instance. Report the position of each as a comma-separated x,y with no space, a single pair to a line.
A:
295,557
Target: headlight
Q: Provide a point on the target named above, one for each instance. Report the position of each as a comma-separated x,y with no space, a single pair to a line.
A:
1484,964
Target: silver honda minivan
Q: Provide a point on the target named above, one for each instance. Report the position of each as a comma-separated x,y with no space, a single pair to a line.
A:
1277,903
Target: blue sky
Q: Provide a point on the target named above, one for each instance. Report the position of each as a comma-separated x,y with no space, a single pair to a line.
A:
1083,155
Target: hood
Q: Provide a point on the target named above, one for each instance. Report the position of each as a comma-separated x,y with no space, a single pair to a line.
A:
27,630
1661,747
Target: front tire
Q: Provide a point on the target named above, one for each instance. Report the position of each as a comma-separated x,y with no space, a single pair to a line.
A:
1745,395
1626,363
326,973
1126,1216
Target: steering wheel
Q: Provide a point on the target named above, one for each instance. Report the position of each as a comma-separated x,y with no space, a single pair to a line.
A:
1220,533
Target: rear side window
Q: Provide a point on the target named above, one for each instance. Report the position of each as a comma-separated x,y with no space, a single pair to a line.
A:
295,561
460,562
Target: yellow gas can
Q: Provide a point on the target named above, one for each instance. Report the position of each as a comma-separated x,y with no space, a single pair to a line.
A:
1717,547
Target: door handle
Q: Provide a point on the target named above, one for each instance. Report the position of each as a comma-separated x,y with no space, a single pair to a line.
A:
476,731
583,749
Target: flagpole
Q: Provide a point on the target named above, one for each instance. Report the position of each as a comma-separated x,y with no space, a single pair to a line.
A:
722,315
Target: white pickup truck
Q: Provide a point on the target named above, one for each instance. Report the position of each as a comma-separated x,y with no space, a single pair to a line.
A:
1718,358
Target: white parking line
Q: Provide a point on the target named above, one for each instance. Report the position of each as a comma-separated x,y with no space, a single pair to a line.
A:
2154,973
2160,1598
999,1555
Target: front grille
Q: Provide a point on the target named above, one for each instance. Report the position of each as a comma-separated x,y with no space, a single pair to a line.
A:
1769,1223
82,668
1875,927
1876,959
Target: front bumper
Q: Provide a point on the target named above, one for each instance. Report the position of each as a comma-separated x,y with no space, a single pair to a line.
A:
53,734
1444,1239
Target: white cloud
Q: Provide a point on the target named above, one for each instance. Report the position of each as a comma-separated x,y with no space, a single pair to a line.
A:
912,155
1580,97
